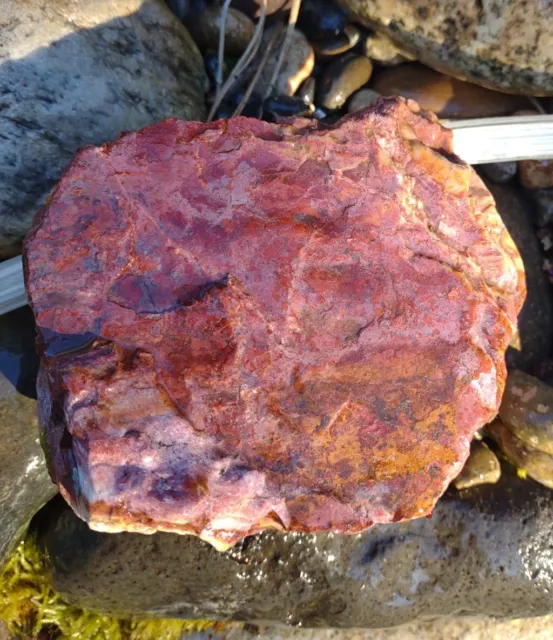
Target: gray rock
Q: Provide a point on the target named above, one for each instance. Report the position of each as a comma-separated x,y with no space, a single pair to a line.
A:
24,482
505,45
79,72
485,551
499,172
205,25
361,99
535,322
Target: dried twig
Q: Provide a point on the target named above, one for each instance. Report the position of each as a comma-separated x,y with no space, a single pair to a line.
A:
263,63
242,63
221,51
292,19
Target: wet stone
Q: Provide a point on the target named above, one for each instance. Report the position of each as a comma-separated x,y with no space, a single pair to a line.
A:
321,18
337,44
361,99
481,467
342,78
486,551
445,95
286,106
527,410
307,91
537,464
499,172
536,174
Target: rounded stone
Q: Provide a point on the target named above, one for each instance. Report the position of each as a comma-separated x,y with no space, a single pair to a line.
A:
296,67
527,410
205,25
382,49
342,78
337,44
486,552
321,18
446,96
24,482
361,99
481,467
74,74
252,8
505,45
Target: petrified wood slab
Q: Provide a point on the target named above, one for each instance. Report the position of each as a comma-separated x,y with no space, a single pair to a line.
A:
247,325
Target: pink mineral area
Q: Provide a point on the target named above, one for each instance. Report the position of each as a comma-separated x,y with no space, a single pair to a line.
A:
247,325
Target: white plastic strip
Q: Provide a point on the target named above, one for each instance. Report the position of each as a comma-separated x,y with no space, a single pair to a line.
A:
502,139
12,287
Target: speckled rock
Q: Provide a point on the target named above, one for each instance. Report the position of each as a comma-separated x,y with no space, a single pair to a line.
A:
505,45
527,409
481,467
446,96
24,482
296,67
204,25
342,78
75,73
486,551
535,321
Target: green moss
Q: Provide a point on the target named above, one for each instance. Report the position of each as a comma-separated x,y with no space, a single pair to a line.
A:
29,604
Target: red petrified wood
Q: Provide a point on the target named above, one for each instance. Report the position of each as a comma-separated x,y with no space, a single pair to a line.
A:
247,325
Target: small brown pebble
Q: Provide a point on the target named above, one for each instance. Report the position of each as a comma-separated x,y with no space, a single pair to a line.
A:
342,78
446,96
499,172
481,467
205,25
537,464
361,99
307,91
527,410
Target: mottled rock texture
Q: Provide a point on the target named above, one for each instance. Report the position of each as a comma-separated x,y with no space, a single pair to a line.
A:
79,72
504,44
24,482
486,551
247,325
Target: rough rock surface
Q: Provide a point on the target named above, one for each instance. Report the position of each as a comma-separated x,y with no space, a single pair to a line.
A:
24,482
485,551
80,73
535,321
505,45
246,325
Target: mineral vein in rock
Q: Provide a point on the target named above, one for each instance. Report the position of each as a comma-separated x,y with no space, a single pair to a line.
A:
247,325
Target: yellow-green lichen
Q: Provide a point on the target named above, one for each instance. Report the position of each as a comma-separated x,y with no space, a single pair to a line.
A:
29,604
